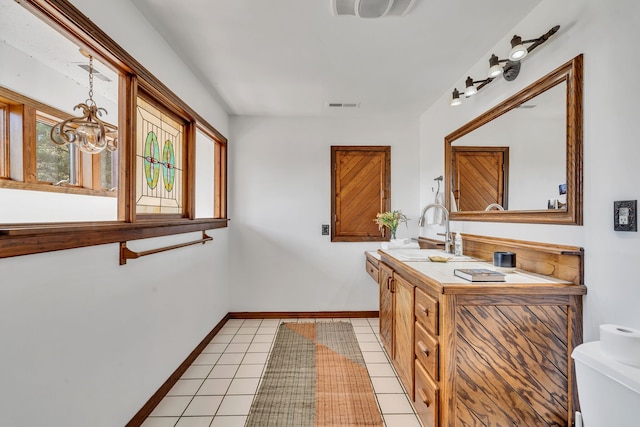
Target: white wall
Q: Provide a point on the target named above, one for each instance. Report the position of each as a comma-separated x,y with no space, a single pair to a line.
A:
605,32
280,182
85,342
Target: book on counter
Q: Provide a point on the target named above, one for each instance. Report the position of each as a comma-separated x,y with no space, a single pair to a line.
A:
479,274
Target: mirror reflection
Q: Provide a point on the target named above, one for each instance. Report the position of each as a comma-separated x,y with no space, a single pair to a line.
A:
515,162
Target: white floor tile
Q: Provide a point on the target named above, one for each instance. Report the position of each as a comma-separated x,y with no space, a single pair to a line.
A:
263,338
259,347
218,389
239,347
194,422
185,387
244,386
267,330
247,330
203,405
235,405
364,338
197,371
370,346
229,329
214,386
229,421
383,385
242,339
394,404
250,371
230,359
255,358
380,370
207,359
222,339
252,322
223,371
374,357
271,322
215,348
401,420
160,422
171,406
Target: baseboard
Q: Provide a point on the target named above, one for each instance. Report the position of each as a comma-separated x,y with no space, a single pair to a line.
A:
153,401
300,314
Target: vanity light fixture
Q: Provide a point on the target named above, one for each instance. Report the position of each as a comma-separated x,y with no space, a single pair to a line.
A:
89,133
509,68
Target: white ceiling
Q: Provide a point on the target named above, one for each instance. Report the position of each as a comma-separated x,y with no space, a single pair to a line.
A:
292,57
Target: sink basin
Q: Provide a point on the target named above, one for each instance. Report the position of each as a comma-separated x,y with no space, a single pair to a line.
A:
411,254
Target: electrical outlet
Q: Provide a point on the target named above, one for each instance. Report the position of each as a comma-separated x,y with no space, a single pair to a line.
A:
325,229
624,215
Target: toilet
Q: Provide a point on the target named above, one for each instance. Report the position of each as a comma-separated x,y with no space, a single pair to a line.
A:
608,390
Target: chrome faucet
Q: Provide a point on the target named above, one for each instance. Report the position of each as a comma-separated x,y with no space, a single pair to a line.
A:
447,233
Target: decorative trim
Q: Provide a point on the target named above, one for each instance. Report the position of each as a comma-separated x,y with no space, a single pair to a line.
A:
153,401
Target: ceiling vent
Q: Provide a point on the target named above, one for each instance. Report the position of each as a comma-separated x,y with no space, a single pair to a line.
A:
96,73
370,8
343,105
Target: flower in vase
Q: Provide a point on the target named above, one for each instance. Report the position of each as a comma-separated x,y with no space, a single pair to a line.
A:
391,220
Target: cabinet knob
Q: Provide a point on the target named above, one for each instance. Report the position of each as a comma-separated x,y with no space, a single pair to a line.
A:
424,309
423,397
423,348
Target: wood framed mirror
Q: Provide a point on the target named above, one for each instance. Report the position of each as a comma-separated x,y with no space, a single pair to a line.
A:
539,133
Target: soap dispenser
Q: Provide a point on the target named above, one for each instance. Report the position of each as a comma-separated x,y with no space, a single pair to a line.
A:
457,245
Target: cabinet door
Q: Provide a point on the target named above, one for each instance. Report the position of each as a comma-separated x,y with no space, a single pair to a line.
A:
404,354
386,308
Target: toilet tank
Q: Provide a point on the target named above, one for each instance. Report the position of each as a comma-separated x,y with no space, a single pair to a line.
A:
608,391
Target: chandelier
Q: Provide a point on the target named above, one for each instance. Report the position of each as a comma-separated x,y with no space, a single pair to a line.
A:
89,133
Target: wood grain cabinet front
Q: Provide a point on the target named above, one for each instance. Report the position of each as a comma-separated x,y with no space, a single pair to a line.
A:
494,354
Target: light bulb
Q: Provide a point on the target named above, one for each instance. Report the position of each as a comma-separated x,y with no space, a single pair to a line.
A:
90,139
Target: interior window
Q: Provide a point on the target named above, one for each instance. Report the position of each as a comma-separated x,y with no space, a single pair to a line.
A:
56,164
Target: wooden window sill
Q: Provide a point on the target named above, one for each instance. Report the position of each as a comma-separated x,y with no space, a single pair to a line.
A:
67,189
25,239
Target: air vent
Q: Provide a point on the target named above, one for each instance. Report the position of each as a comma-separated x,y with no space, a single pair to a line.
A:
96,73
370,8
343,105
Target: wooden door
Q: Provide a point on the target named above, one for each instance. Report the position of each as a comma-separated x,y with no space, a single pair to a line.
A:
385,276
404,353
361,188
480,177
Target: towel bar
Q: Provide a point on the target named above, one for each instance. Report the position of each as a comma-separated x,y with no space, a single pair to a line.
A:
126,253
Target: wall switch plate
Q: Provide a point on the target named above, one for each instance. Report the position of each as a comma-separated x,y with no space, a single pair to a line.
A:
625,215
325,229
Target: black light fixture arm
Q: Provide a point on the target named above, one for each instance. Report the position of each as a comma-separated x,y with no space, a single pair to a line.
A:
509,70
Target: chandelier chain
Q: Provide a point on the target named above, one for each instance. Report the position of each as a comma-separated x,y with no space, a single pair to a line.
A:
91,78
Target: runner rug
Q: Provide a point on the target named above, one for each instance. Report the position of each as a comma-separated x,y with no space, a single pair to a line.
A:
316,377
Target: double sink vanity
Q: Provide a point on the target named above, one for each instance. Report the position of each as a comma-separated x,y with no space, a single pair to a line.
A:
492,353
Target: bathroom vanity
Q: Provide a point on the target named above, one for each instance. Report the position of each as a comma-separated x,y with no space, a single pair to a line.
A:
495,353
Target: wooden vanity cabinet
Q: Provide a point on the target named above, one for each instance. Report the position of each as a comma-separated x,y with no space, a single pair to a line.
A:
396,323
485,354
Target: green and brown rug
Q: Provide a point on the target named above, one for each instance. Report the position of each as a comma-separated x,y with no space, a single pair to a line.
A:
316,377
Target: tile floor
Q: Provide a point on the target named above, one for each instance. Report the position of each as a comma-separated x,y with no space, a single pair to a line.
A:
217,390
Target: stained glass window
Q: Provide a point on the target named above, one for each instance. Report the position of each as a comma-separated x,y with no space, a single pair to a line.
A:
159,161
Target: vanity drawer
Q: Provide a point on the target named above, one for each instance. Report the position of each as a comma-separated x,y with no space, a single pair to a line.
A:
426,311
426,397
372,270
427,351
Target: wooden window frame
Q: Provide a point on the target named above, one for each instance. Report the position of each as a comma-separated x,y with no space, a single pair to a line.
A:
23,239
